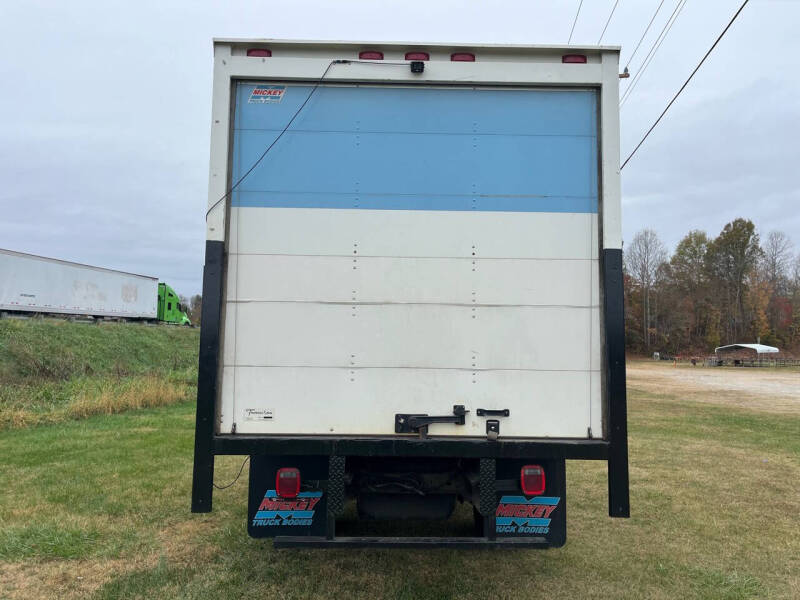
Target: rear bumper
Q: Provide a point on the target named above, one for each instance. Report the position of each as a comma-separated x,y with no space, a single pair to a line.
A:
408,542
410,446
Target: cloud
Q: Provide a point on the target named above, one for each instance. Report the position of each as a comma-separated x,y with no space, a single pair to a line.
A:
104,142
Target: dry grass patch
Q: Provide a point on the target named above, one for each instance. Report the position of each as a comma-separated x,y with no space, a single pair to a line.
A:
52,372
144,392
774,390
100,396
179,546
59,579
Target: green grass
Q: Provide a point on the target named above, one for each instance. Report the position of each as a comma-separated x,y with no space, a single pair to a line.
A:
100,508
53,370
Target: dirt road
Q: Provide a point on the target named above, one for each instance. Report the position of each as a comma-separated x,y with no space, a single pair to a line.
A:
768,389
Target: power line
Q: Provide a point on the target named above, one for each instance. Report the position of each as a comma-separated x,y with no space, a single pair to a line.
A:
600,39
675,97
655,14
653,50
571,31
654,47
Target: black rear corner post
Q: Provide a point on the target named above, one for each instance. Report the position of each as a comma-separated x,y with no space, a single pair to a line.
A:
617,417
207,378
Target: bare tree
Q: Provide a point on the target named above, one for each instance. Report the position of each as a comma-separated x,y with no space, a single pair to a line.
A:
643,258
777,256
195,309
796,271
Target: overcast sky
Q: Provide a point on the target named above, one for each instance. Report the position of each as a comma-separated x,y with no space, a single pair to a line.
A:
105,110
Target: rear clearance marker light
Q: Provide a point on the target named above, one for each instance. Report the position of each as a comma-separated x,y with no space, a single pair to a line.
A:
287,482
263,52
417,56
531,479
575,59
370,55
462,57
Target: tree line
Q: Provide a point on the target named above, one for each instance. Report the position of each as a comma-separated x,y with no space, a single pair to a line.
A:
193,307
734,288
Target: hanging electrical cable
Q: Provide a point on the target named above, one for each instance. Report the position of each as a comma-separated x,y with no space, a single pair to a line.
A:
314,88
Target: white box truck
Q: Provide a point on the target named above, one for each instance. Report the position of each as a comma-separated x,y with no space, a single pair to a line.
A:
39,285
412,290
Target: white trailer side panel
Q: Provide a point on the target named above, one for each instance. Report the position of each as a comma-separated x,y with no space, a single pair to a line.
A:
31,283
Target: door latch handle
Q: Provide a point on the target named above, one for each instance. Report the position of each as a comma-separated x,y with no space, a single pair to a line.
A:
410,423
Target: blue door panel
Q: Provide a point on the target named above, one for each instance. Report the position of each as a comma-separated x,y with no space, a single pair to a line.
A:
419,149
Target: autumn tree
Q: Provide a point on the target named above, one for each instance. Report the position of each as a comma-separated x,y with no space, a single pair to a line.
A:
732,257
689,277
712,291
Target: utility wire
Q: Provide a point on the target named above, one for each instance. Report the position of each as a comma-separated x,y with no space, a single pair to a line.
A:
653,50
654,47
675,97
641,39
600,39
571,31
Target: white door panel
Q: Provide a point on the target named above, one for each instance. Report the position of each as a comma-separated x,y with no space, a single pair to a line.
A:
281,278
424,336
364,401
345,232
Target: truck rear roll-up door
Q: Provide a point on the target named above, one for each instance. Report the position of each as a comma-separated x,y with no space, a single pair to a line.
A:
407,249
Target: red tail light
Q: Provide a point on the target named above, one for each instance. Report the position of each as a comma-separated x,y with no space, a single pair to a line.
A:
531,479
287,482
370,55
258,52
417,56
573,58
462,57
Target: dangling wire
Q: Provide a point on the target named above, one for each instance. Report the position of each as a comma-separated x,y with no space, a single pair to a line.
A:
235,479
275,141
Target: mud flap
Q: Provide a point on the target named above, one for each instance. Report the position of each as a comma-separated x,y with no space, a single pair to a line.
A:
271,516
543,516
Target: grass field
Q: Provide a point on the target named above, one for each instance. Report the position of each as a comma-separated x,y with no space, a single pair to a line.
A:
99,508
54,370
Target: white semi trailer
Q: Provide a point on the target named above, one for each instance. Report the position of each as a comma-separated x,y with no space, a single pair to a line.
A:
413,285
36,284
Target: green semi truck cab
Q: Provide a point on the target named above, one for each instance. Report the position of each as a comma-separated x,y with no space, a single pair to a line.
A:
169,306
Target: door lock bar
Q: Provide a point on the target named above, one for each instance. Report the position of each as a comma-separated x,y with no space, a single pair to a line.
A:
411,423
